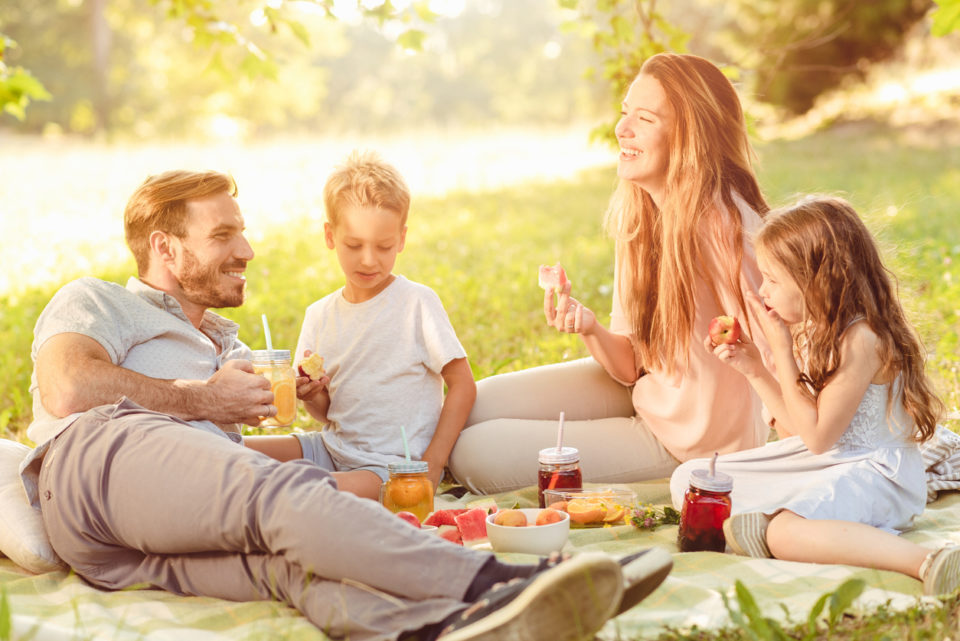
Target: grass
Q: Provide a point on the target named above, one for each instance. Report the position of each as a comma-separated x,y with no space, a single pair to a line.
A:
479,251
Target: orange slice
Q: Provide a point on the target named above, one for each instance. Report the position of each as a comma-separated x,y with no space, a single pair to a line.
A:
285,398
584,511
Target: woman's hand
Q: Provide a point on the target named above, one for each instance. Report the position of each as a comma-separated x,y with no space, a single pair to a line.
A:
776,331
569,315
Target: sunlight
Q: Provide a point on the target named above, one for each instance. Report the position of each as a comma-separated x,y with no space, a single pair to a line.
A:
77,228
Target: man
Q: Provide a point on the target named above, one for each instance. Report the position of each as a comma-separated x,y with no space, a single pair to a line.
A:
155,488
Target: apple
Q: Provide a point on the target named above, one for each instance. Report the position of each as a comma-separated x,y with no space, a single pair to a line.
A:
724,330
312,367
410,518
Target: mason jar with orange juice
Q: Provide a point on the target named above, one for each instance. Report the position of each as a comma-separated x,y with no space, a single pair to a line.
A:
276,367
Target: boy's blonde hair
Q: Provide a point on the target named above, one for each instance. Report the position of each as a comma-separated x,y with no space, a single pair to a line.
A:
366,180
160,204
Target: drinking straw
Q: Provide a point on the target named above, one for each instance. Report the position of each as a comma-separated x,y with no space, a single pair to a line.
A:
560,433
406,446
266,331
713,464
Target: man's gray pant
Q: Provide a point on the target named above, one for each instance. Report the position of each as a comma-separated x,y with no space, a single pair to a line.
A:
135,498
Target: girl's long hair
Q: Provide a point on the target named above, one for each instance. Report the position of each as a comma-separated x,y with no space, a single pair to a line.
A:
660,251
826,248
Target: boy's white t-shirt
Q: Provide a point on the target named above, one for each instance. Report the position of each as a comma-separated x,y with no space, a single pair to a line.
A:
384,358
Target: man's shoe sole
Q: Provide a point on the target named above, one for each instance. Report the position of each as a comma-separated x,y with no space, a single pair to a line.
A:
569,602
642,575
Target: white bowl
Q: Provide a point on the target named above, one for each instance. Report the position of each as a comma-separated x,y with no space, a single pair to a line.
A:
532,539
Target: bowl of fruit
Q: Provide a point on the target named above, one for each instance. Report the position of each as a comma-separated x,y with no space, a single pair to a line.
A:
528,530
593,507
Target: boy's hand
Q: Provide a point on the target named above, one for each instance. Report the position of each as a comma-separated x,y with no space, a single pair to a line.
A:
569,315
309,389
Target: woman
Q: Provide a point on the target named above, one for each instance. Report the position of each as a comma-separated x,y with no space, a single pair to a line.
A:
682,216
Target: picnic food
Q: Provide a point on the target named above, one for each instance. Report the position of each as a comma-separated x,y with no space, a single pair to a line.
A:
274,365
511,518
312,367
592,507
724,330
706,505
410,518
559,469
552,277
548,516
472,525
408,489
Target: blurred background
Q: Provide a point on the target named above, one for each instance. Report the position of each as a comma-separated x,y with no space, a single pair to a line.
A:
473,94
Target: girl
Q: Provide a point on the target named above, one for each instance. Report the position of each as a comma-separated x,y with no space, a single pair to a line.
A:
847,474
650,397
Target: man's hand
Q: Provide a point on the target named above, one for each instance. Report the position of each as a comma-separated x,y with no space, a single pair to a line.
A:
236,394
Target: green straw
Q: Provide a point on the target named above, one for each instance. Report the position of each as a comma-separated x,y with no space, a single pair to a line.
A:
406,446
266,331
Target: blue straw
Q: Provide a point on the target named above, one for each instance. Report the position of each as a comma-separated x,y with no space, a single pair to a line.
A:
406,447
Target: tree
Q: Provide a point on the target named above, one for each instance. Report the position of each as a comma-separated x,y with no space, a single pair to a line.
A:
17,85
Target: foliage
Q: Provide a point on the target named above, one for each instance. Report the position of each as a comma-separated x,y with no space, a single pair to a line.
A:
946,17
17,85
648,517
178,74
624,33
800,48
748,617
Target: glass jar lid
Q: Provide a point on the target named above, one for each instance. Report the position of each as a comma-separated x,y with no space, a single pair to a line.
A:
716,482
561,456
408,467
272,354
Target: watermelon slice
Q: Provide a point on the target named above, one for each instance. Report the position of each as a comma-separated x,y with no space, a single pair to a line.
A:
486,503
552,277
444,517
472,525
450,533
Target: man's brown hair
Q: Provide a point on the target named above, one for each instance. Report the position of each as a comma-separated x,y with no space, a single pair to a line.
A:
160,204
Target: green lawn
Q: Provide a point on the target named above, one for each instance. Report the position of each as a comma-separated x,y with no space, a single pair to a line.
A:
480,251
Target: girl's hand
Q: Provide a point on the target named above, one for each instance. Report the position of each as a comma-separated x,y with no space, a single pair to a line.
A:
742,356
777,332
569,315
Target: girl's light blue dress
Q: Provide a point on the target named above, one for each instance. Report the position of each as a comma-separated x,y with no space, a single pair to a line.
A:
874,474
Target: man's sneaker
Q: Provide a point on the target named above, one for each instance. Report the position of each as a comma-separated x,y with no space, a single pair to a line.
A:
746,534
942,573
568,602
642,573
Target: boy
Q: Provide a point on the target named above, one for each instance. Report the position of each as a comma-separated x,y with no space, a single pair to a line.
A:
387,343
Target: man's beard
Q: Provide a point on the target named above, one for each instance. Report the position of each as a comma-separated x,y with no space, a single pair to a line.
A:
202,284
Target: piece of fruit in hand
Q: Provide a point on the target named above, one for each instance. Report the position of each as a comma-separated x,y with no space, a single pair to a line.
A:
724,330
312,367
552,277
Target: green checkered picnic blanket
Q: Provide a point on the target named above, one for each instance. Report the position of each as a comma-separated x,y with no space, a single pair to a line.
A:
59,606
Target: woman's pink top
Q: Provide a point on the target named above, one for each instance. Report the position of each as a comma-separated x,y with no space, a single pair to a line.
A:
710,407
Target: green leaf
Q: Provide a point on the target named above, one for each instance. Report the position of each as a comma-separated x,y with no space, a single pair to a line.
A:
843,597
814,615
622,29
946,17
424,12
748,605
301,32
412,39
568,4
5,625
